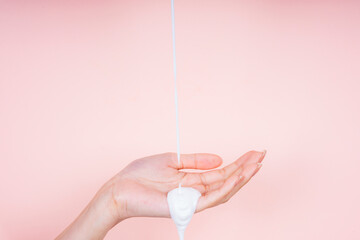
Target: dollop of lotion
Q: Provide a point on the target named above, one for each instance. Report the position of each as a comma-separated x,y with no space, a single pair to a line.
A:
182,203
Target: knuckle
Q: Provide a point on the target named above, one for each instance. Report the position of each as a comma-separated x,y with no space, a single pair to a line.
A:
222,172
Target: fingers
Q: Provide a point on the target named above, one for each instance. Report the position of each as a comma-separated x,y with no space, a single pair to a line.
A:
202,161
248,173
203,189
212,198
220,175
231,185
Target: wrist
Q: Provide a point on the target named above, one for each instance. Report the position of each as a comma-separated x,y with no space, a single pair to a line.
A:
105,208
98,217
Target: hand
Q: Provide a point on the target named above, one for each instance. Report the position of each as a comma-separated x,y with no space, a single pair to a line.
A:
141,188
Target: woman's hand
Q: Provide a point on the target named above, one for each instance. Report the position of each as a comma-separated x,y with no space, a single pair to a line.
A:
141,188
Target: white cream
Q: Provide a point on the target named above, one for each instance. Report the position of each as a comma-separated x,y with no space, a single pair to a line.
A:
182,203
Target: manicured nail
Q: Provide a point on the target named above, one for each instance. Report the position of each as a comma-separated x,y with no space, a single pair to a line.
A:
263,153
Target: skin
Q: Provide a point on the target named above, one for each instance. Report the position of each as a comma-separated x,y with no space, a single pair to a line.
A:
140,189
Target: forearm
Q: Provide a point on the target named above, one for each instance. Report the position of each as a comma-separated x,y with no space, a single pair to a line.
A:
94,221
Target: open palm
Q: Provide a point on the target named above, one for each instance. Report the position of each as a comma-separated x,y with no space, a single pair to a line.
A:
141,188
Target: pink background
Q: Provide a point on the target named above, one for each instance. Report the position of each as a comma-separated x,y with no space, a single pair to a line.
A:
87,87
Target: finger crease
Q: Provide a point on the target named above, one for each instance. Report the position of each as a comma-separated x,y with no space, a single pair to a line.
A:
195,160
202,179
223,173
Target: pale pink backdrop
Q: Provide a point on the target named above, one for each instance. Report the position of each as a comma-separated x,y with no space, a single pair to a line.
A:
87,86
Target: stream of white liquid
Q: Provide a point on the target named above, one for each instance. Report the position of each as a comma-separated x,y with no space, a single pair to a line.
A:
182,201
175,82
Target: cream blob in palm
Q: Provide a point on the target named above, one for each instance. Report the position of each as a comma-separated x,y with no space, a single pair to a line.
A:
182,203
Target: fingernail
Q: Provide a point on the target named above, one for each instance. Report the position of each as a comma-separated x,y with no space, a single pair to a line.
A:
263,153
259,165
